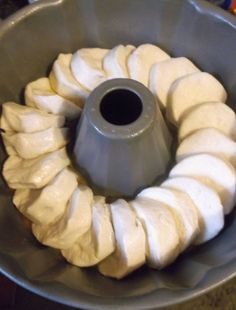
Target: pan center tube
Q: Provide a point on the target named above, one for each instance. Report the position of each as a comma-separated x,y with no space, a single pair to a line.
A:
122,142
121,107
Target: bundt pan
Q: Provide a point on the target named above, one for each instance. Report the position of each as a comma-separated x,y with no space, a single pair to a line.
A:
29,42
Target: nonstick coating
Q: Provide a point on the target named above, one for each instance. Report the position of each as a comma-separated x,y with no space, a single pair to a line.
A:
29,42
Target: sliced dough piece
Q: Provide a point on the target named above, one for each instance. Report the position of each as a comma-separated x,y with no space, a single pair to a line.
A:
209,115
45,206
212,171
210,141
98,242
142,59
164,73
207,202
39,94
115,61
130,242
163,243
36,172
64,83
190,91
74,223
182,208
87,67
16,117
9,148
31,145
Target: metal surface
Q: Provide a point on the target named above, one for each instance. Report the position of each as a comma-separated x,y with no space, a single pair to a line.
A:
120,144
29,42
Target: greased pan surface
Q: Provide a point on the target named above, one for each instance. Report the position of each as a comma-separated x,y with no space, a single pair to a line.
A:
29,42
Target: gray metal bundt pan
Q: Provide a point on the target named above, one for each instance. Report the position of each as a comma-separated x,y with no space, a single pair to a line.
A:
29,42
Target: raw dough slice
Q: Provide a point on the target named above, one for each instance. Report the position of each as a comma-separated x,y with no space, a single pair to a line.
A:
207,202
212,171
209,115
164,73
191,90
39,94
115,61
64,83
31,145
16,117
163,243
74,223
10,150
182,208
46,206
87,67
130,242
98,242
210,141
36,172
142,59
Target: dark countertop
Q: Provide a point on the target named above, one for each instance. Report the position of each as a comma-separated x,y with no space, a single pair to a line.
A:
8,7
17,298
